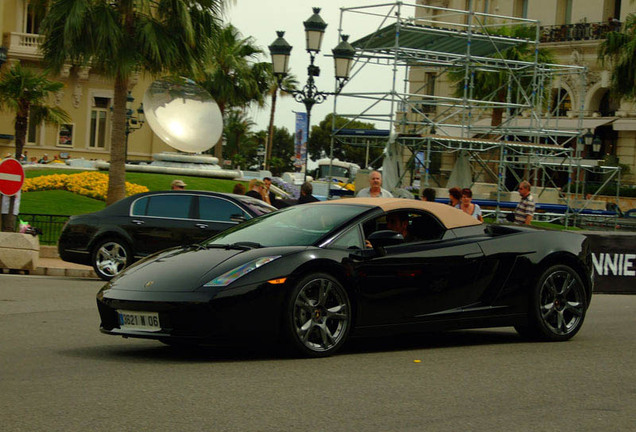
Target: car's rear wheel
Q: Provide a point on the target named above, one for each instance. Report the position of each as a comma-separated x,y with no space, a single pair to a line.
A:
318,315
558,305
110,257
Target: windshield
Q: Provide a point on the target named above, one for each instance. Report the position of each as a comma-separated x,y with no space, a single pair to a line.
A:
300,225
336,171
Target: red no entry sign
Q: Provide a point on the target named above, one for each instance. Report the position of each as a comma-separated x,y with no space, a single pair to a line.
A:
11,177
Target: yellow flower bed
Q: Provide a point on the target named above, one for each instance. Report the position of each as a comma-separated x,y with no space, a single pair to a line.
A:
90,184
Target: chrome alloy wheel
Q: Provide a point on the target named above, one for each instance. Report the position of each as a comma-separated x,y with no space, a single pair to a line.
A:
321,314
111,258
562,302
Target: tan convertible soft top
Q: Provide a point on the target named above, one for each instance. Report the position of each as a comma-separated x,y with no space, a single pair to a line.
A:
449,216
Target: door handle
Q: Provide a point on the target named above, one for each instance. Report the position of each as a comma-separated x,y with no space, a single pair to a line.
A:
200,225
138,222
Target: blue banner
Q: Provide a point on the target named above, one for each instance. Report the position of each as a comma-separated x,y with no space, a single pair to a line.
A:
300,144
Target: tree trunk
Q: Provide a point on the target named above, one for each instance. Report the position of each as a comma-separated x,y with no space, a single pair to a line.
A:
497,116
497,113
21,123
117,170
270,133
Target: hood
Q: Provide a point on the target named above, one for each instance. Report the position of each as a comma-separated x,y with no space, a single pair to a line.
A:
180,269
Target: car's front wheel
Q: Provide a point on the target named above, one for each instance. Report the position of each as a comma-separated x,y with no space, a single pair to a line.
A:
318,315
110,257
558,305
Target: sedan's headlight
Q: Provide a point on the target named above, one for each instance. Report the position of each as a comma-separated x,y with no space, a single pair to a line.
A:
228,277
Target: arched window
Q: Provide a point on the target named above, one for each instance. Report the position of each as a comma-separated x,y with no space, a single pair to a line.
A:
561,102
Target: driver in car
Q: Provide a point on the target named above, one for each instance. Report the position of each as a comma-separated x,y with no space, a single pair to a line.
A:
398,222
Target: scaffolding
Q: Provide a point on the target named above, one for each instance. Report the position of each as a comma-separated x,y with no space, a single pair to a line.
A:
520,125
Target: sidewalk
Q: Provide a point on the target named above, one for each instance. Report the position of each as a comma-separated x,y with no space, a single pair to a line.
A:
50,264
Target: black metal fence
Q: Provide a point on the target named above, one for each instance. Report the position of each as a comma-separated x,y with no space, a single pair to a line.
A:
51,225
578,31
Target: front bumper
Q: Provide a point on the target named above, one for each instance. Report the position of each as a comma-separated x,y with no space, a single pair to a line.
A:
247,314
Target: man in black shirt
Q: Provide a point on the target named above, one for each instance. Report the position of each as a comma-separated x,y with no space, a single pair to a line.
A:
305,194
256,189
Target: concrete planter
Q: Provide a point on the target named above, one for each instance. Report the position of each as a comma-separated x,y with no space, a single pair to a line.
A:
19,251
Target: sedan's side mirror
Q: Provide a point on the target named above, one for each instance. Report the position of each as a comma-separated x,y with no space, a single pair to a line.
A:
237,218
381,239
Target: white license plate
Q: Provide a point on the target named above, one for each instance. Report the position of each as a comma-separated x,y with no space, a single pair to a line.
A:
135,320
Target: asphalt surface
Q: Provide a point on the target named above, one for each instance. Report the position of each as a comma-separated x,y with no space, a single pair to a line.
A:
58,373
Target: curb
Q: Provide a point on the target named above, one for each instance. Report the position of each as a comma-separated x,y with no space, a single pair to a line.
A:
77,273
55,271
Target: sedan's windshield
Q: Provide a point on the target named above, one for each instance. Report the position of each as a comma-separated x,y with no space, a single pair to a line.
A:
300,225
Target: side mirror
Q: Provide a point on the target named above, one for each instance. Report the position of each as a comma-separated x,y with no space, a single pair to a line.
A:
381,239
237,218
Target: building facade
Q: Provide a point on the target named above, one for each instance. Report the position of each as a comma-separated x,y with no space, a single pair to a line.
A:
87,97
572,31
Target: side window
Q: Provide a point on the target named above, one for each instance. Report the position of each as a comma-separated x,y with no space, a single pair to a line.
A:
169,206
140,207
414,226
423,226
217,209
352,239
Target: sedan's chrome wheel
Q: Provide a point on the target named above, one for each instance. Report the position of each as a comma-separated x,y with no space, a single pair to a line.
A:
320,315
110,258
560,303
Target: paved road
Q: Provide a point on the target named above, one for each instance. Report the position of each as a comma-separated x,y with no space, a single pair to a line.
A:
58,373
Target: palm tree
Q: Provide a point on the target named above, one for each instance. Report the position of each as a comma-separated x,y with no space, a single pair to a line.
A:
289,82
121,38
619,49
25,92
237,129
231,73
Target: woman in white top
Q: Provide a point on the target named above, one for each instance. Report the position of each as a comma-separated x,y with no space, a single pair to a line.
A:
467,206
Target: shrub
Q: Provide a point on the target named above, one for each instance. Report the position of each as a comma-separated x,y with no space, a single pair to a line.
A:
89,184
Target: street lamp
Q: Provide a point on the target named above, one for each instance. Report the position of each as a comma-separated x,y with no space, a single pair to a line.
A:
133,122
596,144
588,138
593,140
343,55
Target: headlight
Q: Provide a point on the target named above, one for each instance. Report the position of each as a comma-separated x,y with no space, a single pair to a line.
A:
228,277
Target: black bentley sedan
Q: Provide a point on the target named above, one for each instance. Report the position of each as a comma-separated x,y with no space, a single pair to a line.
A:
139,225
310,277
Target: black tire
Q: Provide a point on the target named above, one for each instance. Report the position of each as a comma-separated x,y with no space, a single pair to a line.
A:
558,305
318,316
110,257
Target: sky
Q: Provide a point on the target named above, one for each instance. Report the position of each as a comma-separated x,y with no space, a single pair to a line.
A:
261,19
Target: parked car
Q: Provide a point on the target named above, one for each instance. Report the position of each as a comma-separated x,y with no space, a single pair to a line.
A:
139,225
306,276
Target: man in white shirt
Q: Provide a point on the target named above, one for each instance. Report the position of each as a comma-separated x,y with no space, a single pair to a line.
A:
375,187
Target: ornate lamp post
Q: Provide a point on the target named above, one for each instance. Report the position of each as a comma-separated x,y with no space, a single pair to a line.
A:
133,122
343,55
